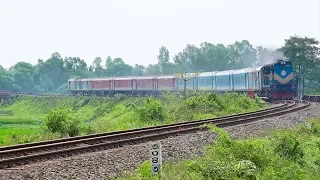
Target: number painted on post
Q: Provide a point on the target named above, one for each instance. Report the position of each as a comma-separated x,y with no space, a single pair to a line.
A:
155,146
155,169
156,157
155,153
154,160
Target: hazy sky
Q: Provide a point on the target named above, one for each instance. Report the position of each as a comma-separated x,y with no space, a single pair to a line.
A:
135,29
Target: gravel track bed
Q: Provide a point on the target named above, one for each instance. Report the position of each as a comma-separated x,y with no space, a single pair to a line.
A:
105,164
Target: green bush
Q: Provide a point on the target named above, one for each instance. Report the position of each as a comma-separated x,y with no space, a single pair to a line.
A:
204,101
315,127
287,145
61,121
152,110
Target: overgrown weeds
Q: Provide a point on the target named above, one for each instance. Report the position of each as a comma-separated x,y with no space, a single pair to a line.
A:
283,154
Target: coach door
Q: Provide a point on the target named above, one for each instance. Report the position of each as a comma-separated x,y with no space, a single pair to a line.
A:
214,81
232,81
259,79
155,84
112,84
134,84
195,83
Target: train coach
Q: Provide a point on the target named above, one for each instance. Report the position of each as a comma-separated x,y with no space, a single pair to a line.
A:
141,85
275,81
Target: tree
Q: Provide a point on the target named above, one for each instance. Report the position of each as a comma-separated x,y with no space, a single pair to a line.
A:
190,59
306,52
138,70
6,80
23,74
241,55
153,69
117,67
184,76
40,62
97,67
163,61
215,58
108,61
76,67
53,73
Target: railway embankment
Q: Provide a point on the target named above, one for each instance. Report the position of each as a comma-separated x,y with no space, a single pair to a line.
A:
28,114
114,162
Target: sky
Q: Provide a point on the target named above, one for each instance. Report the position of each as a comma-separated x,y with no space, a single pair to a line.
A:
134,30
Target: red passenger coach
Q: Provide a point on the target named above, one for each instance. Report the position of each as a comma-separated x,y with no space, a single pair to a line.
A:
123,84
145,83
129,85
166,83
101,84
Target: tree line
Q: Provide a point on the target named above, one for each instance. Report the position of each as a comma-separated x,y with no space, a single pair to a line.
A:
52,75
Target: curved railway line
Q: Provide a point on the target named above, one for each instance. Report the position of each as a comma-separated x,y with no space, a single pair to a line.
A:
11,156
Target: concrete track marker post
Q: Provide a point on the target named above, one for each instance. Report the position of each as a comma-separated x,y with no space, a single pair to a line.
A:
156,157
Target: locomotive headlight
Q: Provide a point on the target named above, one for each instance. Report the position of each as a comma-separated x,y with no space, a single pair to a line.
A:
283,72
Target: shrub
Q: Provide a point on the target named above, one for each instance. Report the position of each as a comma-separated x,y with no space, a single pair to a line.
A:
246,169
120,96
287,145
315,127
206,101
151,110
61,121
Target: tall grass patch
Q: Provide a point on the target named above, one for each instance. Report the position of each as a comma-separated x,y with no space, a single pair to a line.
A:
283,154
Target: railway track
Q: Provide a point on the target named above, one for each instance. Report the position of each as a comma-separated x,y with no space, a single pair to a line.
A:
311,98
11,156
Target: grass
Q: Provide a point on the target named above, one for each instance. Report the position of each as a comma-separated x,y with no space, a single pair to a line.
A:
118,113
17,120
283,154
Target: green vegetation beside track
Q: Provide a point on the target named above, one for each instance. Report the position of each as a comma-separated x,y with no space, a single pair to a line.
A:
283,154
29,118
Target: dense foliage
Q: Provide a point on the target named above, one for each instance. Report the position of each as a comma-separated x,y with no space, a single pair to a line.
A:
52,75
284,154
61,121
55,117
